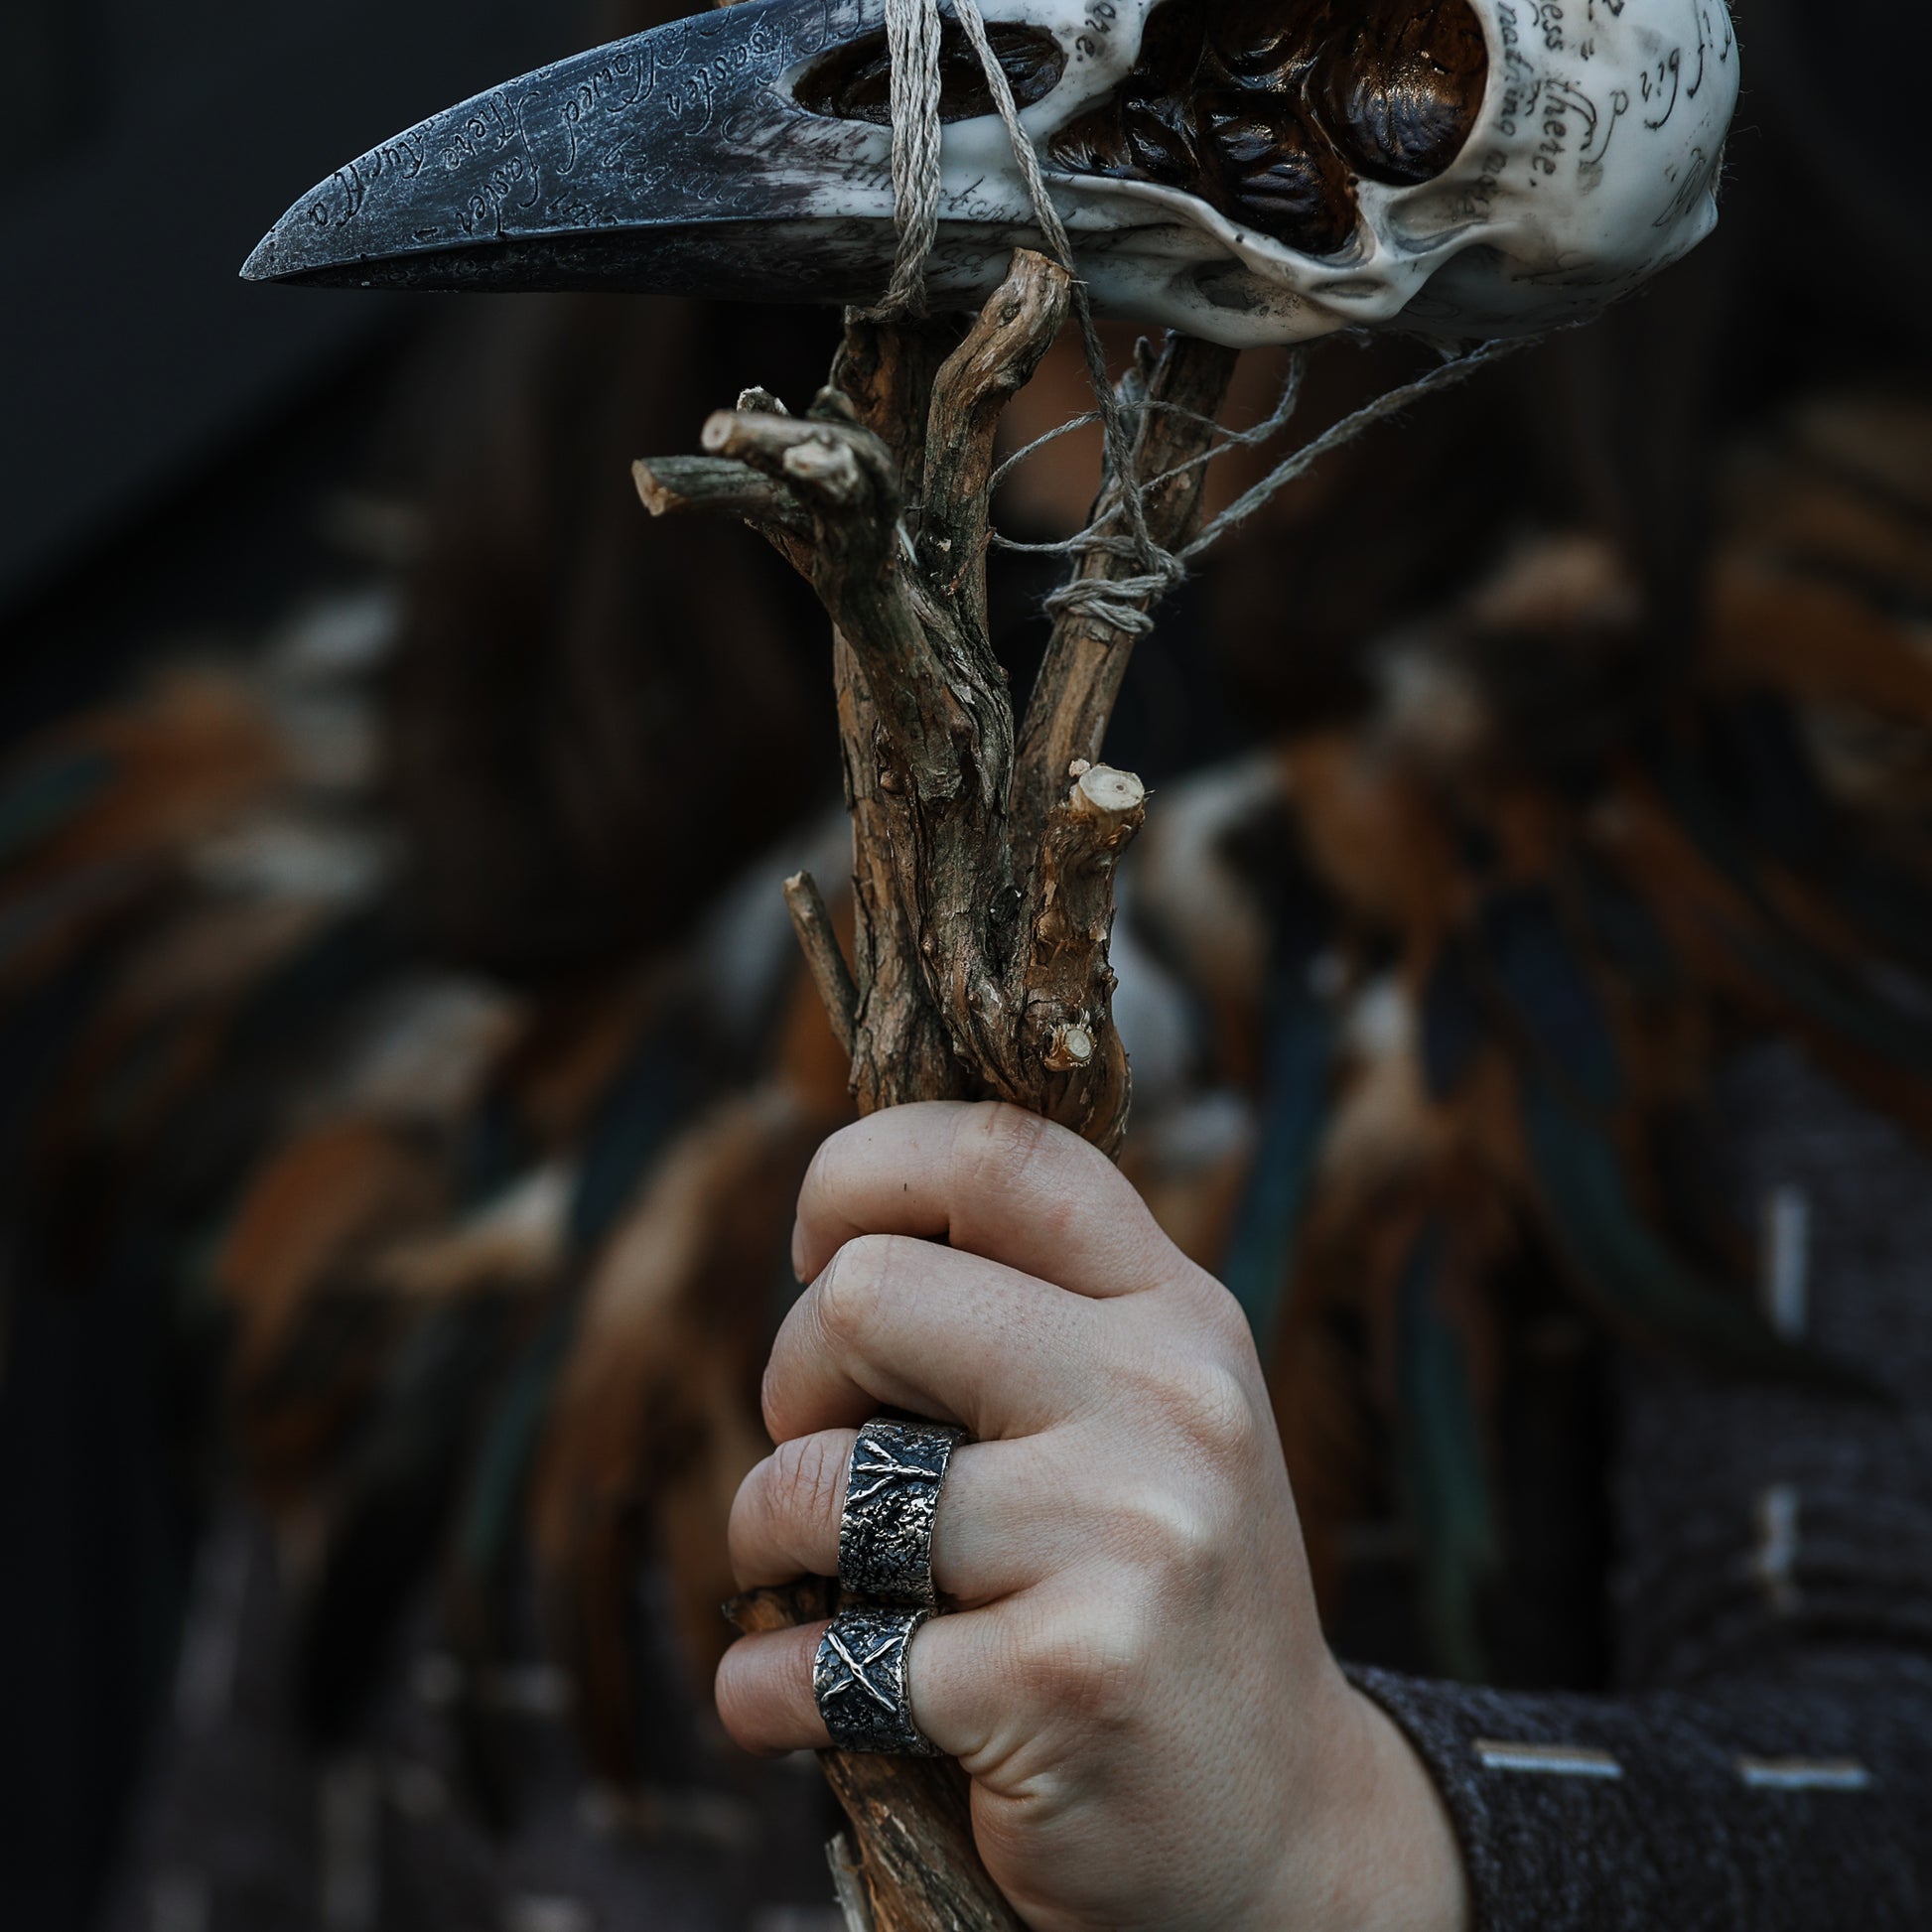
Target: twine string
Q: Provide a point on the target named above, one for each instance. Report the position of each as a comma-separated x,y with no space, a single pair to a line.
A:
1124,604
912,30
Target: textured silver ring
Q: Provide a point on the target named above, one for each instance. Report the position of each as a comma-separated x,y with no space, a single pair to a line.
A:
892,1500
859,1681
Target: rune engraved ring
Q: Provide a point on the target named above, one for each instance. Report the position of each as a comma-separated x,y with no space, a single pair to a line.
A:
891,1499
858,1682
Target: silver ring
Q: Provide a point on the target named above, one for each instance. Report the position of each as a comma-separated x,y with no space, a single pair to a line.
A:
891,1499
858,1682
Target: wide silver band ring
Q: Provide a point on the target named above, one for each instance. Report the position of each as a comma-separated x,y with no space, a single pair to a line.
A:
892,1500
858,1682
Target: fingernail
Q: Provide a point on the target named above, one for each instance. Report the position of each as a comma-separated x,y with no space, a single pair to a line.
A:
797,1253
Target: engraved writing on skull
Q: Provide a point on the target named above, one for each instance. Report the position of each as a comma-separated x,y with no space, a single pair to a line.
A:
1710,39
1099,30
622,77
683,93
1590,164
404,156
486,131
1252,169
1660,85
1519,76
483,211
1561,99
1481,194
1301,138
1690,189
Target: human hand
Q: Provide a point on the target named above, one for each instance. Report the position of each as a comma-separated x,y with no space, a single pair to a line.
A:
1137,1681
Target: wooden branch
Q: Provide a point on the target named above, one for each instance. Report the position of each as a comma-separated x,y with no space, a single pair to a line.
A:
820,945
886,373
982,883
1086,660
1071,920
997,359
912,1822
673,486
911,1816
833,466
849,1886
847,480
902,1046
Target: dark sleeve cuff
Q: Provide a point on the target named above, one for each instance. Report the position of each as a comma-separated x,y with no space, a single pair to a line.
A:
1760,1807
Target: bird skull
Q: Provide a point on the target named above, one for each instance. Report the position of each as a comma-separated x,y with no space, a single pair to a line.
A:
1251,171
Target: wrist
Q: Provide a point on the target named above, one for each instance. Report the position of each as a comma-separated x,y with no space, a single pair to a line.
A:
1379,1853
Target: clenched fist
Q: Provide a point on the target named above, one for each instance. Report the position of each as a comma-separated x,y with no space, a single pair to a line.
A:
1136,1678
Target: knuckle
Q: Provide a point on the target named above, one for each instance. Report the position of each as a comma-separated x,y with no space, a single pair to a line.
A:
999,1146
1094,1671
1197,1317
1212,1409
1169,1540
1220,1321
1012,1167
847,1296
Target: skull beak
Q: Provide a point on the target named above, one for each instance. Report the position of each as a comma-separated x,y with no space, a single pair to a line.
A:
678,159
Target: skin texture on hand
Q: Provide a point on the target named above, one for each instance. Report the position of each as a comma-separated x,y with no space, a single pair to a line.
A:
1136,1678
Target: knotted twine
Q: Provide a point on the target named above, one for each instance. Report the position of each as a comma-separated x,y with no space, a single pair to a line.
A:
912,38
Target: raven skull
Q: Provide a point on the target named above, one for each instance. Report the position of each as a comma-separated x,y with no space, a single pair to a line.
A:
1249,171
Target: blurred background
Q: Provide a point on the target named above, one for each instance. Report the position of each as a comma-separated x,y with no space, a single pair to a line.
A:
187,459
202,473
146,141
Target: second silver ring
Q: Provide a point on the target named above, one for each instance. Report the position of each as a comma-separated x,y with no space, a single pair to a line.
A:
892,1501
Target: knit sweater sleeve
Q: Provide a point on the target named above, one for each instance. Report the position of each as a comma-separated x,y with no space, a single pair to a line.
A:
1765,1761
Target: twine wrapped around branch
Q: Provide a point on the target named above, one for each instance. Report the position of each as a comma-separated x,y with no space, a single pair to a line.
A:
1122,601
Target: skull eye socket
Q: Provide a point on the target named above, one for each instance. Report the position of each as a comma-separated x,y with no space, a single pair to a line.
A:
853,83
1270,110
1279,175
1400,87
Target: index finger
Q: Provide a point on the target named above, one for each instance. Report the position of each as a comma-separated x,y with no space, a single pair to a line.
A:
990,1178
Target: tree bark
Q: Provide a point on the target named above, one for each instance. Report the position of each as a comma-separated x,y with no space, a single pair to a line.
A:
983,858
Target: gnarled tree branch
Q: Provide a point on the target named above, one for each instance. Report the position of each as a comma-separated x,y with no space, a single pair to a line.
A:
983,864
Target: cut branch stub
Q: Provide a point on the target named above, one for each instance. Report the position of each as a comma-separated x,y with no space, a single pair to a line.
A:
1069,984
848,481
982,883
820,944
672,485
